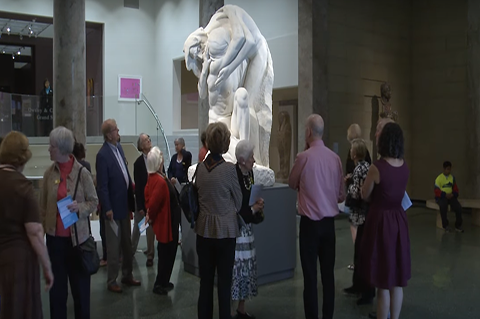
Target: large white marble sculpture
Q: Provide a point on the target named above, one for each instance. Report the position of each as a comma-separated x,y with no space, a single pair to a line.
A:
234,67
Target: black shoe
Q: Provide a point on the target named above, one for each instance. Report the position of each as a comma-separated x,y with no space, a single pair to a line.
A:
159,290
459,230
373,315
364,301
350,291
168,287
245,315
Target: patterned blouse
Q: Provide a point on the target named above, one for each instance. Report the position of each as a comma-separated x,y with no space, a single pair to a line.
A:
358,177
357,216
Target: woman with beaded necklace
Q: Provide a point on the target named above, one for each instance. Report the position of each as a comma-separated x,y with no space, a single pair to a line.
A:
244,279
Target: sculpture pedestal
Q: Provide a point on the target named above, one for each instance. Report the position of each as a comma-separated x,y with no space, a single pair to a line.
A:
275,238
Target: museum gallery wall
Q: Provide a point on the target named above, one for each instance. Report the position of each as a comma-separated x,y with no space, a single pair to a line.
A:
420,54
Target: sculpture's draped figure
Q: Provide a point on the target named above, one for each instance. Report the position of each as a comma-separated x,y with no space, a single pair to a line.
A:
234,67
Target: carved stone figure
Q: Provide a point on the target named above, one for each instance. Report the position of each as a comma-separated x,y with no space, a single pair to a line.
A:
284,144
386,94
233,64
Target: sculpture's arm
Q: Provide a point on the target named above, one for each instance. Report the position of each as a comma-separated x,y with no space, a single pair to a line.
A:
202,80
241,47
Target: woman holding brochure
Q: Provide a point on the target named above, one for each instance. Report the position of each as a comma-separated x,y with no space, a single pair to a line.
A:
244,278
64,201
385,260
163,214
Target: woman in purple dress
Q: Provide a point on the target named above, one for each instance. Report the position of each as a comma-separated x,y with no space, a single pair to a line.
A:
386,243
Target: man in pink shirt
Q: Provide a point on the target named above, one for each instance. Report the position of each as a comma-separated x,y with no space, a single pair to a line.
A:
318,176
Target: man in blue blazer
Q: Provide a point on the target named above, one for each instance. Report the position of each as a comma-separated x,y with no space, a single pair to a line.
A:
115,192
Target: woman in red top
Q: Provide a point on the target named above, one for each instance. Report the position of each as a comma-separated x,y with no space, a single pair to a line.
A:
60,181
163,214
203,150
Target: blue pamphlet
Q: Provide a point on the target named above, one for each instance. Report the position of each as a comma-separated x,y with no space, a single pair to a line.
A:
142,226
406,202
68,218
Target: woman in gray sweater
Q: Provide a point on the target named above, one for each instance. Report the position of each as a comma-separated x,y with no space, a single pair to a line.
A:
220,198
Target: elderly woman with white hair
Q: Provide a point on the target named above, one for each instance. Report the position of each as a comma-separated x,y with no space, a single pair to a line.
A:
179,163
67,177
163,214
244,279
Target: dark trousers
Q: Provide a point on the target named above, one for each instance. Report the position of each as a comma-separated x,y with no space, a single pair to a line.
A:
166,258
317,240
104,237
359,282
455,206
214,254
66,267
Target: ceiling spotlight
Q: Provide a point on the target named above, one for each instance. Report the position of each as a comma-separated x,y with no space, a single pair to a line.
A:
8,29
13,57
19,52
36,35
3,51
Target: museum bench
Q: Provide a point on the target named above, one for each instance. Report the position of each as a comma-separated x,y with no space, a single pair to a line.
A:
474,204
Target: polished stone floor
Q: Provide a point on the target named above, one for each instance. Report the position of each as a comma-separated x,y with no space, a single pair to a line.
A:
445,282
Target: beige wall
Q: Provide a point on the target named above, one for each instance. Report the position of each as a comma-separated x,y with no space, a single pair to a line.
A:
440,101
369,42
287,96
189,112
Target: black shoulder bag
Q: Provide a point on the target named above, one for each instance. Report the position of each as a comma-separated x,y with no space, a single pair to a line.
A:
189,200
87,251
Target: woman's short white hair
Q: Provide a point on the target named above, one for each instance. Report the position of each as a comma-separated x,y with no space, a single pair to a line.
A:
244,149
154,160
62,138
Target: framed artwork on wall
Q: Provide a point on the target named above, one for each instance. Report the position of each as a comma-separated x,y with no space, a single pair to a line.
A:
286,138
129,87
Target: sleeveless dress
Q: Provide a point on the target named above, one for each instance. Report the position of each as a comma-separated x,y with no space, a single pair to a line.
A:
385,260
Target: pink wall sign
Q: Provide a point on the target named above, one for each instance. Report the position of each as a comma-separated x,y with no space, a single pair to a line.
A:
130,88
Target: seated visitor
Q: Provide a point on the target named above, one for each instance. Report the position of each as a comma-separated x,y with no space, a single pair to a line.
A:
446,193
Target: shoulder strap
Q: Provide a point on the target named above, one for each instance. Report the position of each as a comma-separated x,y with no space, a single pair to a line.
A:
5,166
76,184
196,170
73,198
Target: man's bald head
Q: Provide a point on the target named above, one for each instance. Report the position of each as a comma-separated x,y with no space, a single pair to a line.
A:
380,124
316,125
